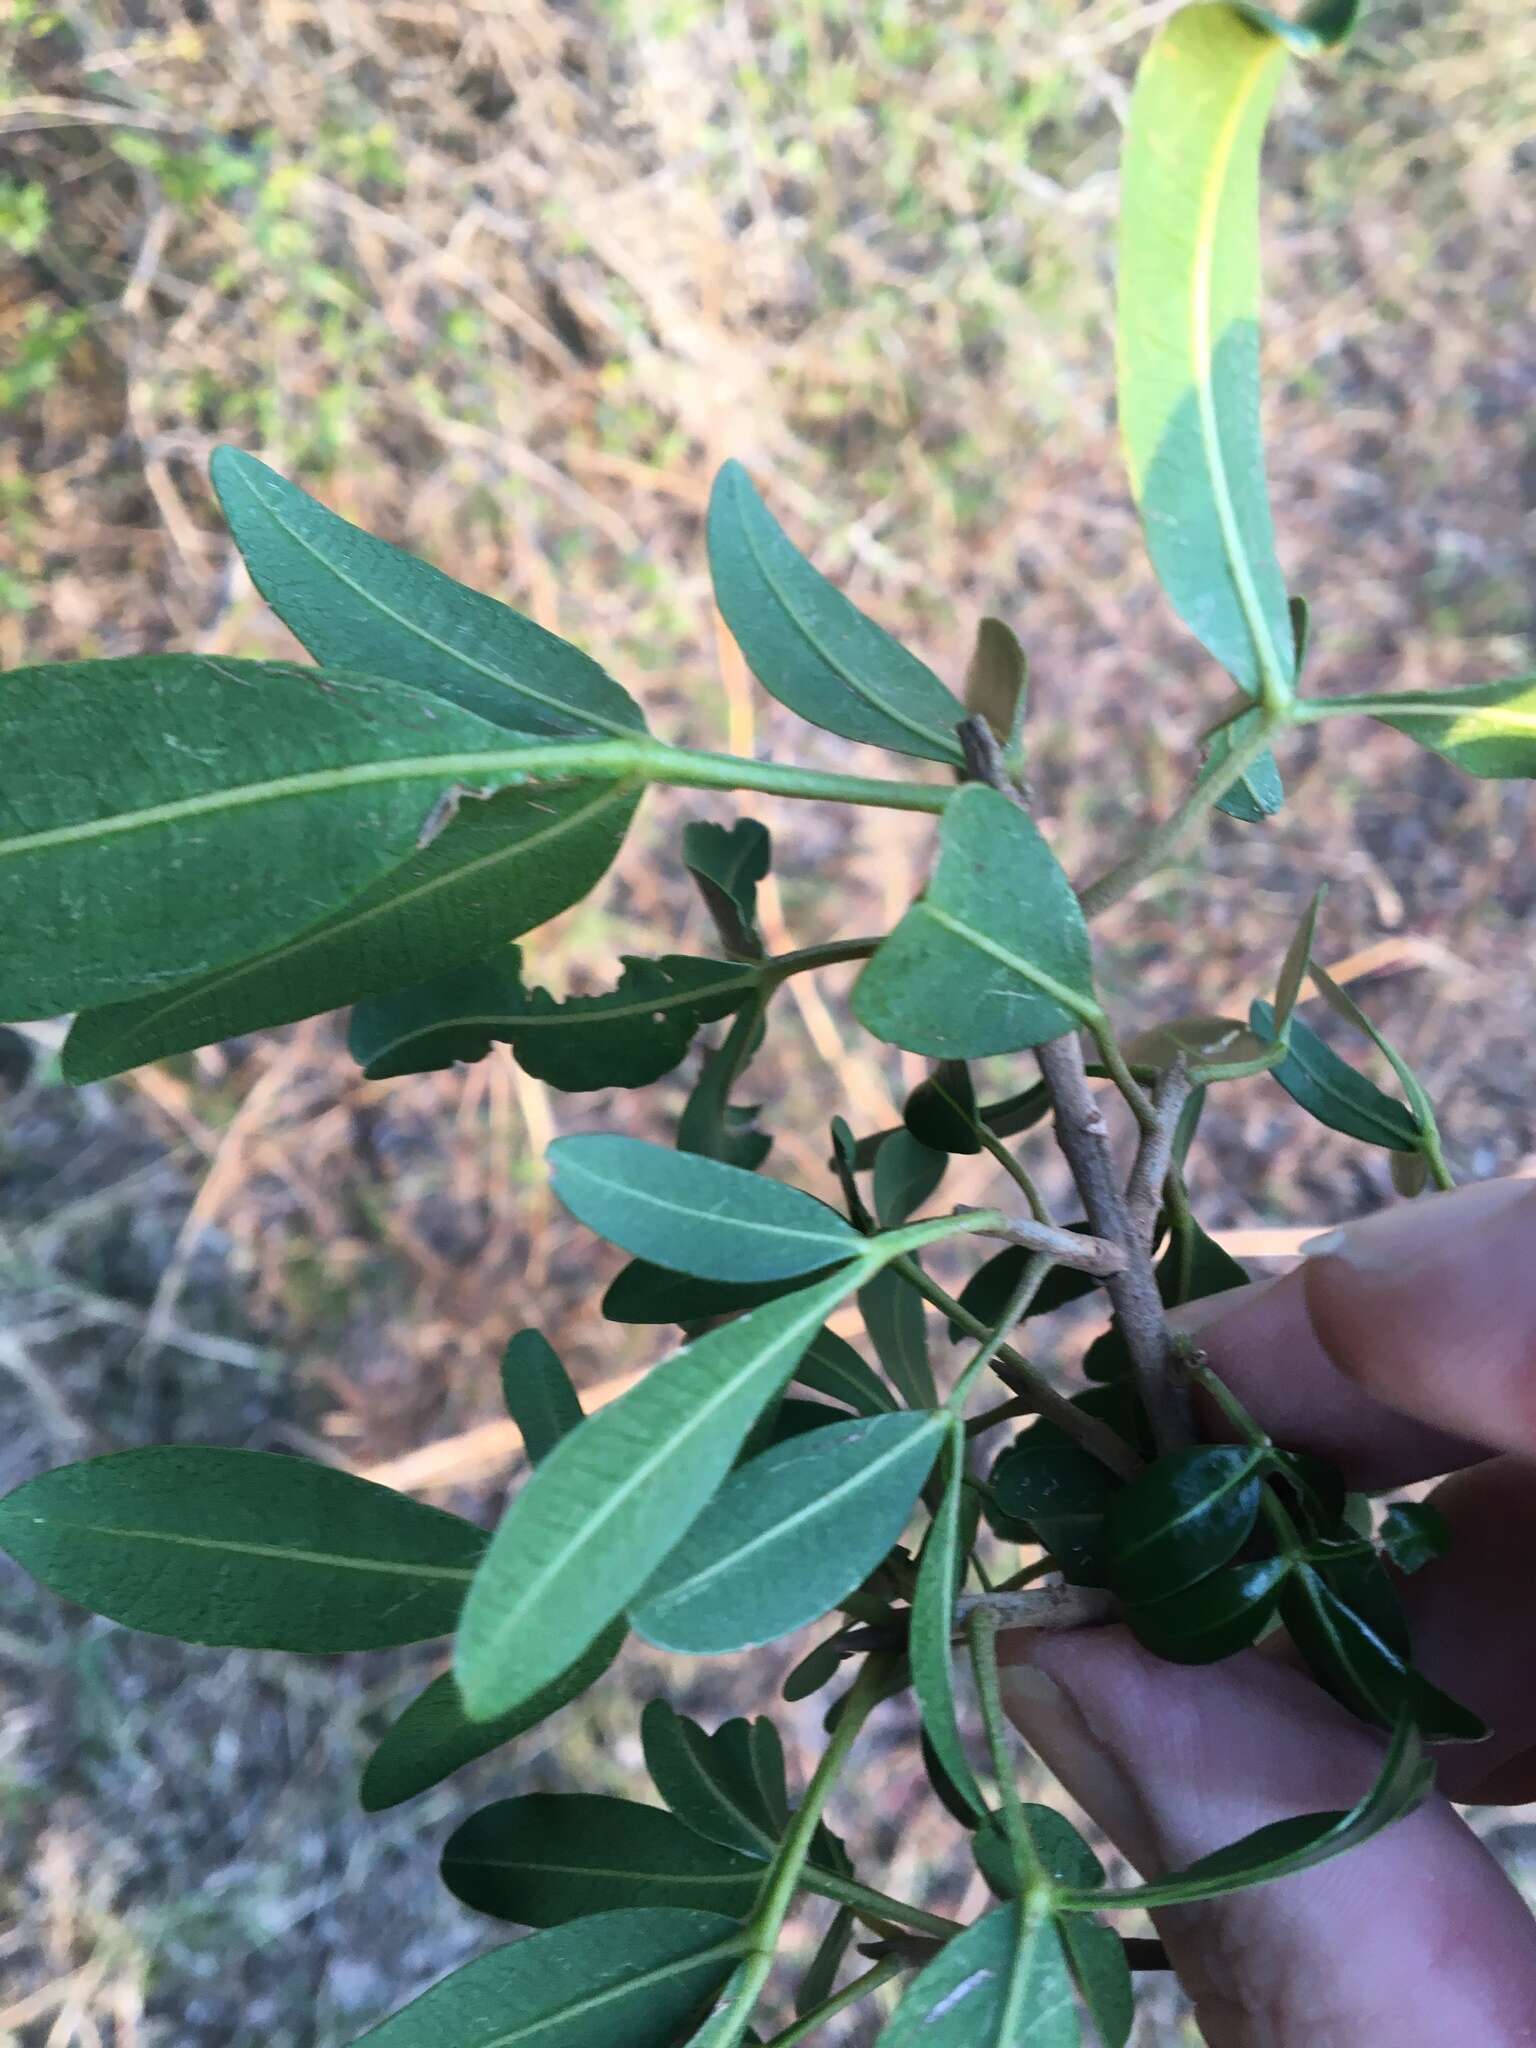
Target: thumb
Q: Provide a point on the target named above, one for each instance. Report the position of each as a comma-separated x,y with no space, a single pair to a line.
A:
1416,1938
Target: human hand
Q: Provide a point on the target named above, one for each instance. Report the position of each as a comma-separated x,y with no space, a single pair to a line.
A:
1402,1347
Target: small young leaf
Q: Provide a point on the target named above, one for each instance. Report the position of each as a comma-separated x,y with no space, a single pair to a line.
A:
1101,1971
1487,730
356,602
932,1627
434,1737
494,872
611,1500
727,863
695,1215
1409,1172
626,1039
941,1111
1215,1617
1183,1517
788,1535
997,679
809,646
1055,1491
709,1783
998,920
538,1393
1328,1088
243,1549
1414,1534
618,1980
832,1367
1001,1984
1293,969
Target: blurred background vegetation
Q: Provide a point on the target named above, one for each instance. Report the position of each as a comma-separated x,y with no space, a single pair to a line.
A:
504,280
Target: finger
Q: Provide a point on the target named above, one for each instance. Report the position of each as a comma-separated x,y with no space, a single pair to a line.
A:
1417,1938
1403,1346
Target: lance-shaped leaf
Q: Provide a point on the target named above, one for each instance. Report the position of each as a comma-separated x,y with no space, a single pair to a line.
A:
809,646
727,863
619,1980
1334,1619
728,1787
1487,729
626,1039
552,1857
1293,969
816,1985
356,602
998,920
1188,349
832,1367
616,1495
1414,1534
1285,1846
538,1394
932,1630
643,1293
1183,1517
1215,1617
1003,1983
907,1173
160,816
1343,1004
1057,1495
695,1215
895,1319
497,870
1331,1090
435,1737
789,1534
243,1549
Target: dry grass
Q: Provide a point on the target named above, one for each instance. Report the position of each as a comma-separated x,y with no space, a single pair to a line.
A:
505,280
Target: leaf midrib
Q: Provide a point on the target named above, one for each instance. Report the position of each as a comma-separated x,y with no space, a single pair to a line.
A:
519,1023
848,1244
626,1988
1250,1468
1058,992
227,1546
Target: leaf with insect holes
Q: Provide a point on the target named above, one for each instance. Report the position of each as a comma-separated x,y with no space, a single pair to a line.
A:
1001,1983
537,1393
243,1549
788,1535
630,1979
694,1214
625,1039
998,920
1331,1090
809,646
551,1857
356,602
1185,1516
435,1737
620,1492
210,808
496,871
727,863
1216,1617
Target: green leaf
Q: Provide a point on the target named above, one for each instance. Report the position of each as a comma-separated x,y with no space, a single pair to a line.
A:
907,1173
1343,1004
941,1111
709,1780
1003,1983
643,1293
896,1323
1183,1517
997,679
161,816
809,646
816,1669
816,1985
618,1980
832,1367
1057,1492
243,1549
616,1495
1188,350
727,863
1064,1855
998,920
1414,1534
551,1857
538,1393
1101,1971
711,1124
356,602
1352,1650
1321,26
695,1215
1487,729
1293,969
1095,1954
844,1150
625,1039
434,1737
789,1534
1286,1846
994,1283
1331,1090
1215,1617
1195,1267
932,1629
495,872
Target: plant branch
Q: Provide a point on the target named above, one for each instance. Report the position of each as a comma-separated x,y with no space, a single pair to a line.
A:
1154,1156
1049,1607
981,1634
872,1906
1095,1255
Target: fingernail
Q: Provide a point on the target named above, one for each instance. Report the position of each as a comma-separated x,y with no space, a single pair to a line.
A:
1403,1236
1049,1717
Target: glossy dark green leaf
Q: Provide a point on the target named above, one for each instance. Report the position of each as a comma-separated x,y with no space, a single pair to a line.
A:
1215,1617
816,1985
907,1174
1349,1652
941,1111
243,1549
538,1394
643,1293
998,920
1183,1517
1488,729
711,1124
163,815
710,1783
993,1285
1003,1983
788,1535
1317,1493
932,1630
1414,1534
832,1367
1055,1490
695,1215
434,1737
496,871
625,1039
727,862
356,602
616,1495
619,1980
809,646
551,1857
997,679
1318,1081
